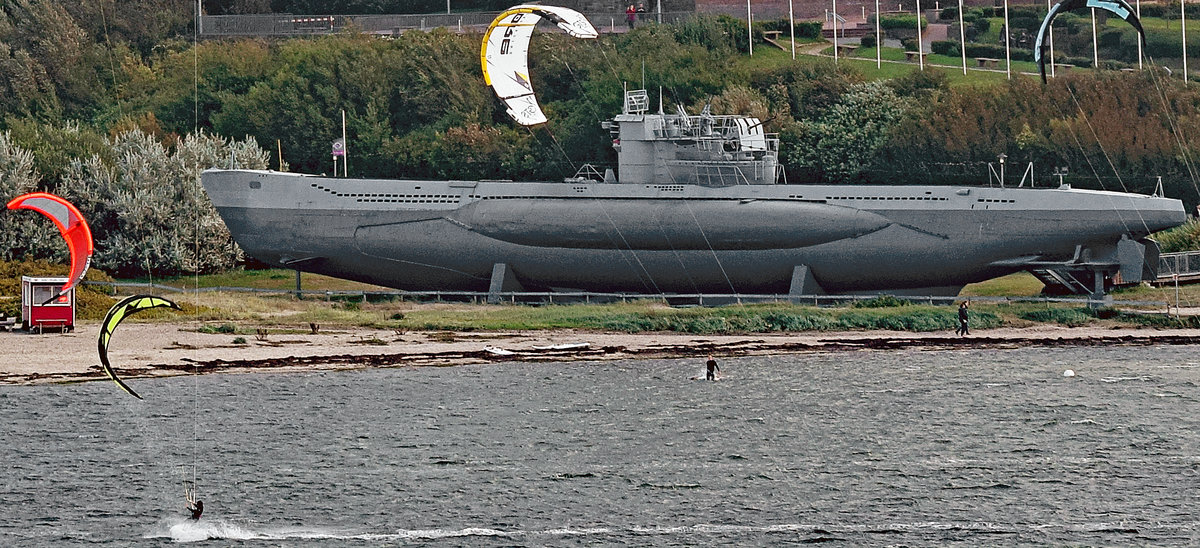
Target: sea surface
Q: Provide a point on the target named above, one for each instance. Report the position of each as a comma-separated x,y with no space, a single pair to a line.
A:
947,448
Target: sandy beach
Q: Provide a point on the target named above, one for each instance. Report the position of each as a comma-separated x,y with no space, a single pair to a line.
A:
159,349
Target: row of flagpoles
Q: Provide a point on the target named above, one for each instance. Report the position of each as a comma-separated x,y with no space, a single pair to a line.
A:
963,38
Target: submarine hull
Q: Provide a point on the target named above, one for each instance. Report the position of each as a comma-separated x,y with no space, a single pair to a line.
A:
649,238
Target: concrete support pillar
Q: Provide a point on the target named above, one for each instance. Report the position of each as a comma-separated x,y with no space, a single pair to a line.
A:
803,283
503,280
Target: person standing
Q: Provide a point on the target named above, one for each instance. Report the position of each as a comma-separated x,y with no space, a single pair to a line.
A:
712,367
630,15
962,319
641,12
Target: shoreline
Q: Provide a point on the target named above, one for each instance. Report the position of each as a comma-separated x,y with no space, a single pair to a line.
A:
141,350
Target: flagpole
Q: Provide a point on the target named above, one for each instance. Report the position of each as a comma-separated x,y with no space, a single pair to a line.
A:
835,51
792,24
346,148
1051,29
1095,44
962,35
1139,36
878,38
1183,26
749,28
1007,50
920,51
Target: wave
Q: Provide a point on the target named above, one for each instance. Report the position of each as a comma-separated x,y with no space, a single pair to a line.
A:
1123,379
182,530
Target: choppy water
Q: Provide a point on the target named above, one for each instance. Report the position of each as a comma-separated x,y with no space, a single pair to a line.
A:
986,447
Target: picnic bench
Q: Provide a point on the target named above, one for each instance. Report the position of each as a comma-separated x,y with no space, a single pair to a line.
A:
910,55
1062,67
987,62
846,49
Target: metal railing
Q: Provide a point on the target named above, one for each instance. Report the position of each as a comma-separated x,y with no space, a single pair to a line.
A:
556,297
284,24
1185,265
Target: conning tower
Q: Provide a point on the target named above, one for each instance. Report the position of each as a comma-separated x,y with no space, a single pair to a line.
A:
680,148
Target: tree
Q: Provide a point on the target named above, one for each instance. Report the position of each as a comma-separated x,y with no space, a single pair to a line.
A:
148,211
840,144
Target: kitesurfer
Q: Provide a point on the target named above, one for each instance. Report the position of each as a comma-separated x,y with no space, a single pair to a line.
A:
962,319
712,368
196,508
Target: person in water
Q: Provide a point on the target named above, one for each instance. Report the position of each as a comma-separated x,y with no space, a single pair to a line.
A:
196,508
712,368
962,319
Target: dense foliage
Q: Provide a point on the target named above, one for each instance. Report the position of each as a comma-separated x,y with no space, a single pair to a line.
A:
120,112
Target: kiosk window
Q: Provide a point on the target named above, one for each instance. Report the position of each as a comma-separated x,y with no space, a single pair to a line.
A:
43,293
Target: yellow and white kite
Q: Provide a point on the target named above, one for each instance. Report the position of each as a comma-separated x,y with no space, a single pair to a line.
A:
505,55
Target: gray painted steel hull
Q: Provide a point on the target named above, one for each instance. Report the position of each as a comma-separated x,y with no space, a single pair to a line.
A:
668,238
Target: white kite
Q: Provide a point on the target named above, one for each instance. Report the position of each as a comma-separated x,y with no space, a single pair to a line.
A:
505,55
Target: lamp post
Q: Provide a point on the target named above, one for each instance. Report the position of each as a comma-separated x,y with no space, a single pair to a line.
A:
1002,157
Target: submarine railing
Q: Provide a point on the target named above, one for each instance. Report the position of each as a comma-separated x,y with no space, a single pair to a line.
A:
562,297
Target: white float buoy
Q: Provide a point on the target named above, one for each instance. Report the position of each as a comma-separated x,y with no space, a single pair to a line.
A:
1068,373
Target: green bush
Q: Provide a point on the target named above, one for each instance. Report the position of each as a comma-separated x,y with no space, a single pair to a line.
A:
997,52
882,301
945,47
788,321
948,14
1084,62
868,41
1024,12
226,328
1029,24
901,22
1070,317
1153,10
1185,237
804,29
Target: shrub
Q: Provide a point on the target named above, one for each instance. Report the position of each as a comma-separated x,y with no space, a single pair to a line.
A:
901,22
945,47
804,29
1185,237
882,301
909,44
868,41
1152,10
1026,23
1070,317
948,14
997,52
226,328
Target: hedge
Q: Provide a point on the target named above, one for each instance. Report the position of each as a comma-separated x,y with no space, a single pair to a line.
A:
945,47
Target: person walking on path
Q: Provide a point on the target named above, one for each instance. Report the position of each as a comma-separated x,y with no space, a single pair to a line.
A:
712,366
962,319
